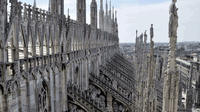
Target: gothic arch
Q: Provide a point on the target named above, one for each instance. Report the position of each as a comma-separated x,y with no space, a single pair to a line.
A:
12,98
43,97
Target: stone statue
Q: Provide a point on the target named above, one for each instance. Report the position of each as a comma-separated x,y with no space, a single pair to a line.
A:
136,33
121,108
151,31
171,78
72,108
173,21
102,101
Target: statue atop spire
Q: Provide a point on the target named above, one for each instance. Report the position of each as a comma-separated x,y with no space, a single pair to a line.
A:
145,37
151,75
136,33
151,31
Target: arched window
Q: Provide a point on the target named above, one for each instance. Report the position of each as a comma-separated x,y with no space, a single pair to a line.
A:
43,103
1,99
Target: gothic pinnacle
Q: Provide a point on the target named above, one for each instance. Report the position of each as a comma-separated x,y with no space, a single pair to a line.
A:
113,13
106,7
115,16
34,4
101,5
171,80
136,33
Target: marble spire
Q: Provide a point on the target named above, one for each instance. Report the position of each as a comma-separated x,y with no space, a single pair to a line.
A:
101,16
171,77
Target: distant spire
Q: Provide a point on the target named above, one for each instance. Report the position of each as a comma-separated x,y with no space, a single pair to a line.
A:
106,7
110,5
101,5
113,13
110,10
34,4
101,16
49,5
115,16
68,12
136,33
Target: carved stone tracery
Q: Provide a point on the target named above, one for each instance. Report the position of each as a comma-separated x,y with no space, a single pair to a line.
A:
43,100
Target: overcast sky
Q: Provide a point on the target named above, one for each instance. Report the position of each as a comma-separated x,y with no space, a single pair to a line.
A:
140,14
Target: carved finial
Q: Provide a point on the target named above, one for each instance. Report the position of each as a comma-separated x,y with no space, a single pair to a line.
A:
68,12
68,15
115,16
151,31
113,13
136,33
